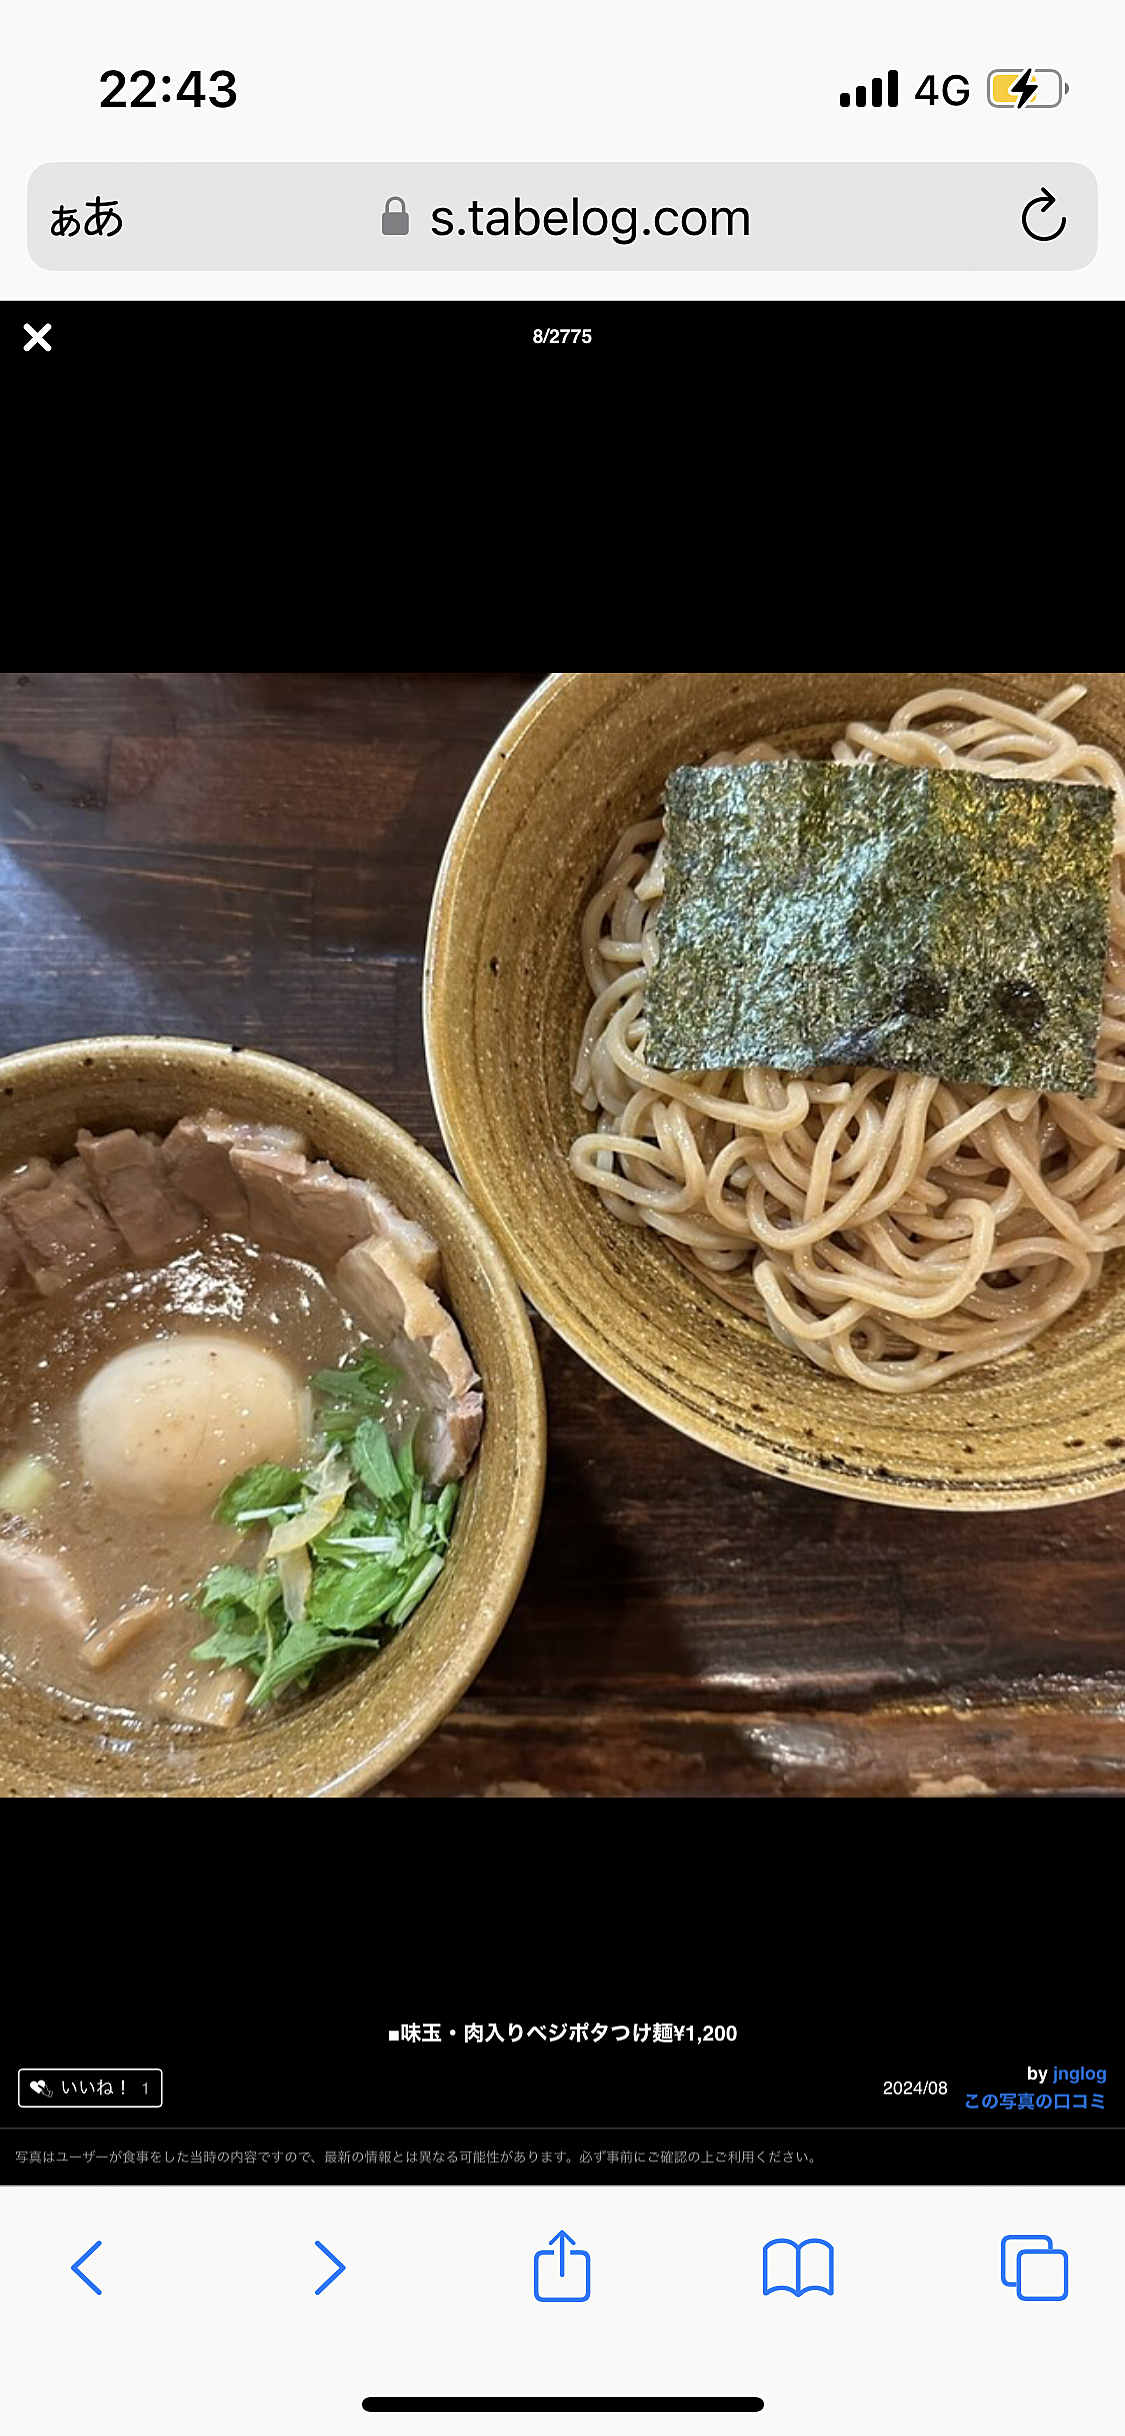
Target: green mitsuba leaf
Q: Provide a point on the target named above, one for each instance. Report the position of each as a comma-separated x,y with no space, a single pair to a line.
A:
258,1492
371,1565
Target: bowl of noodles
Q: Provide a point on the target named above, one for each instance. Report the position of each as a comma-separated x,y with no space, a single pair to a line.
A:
882,1283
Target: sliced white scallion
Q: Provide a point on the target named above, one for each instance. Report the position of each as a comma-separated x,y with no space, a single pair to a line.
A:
25,1486
364,1547
265,1513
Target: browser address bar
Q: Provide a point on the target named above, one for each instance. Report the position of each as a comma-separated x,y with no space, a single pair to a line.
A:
602,230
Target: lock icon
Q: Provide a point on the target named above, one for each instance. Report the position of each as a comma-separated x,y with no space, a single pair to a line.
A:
396,223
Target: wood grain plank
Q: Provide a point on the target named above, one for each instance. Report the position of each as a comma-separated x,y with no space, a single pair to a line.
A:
904,1754
255,791
53,786
659,1563
343,705
32,701
389,799
369,903
103,939
157,925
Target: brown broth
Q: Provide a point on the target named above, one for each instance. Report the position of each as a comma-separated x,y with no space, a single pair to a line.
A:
117,1554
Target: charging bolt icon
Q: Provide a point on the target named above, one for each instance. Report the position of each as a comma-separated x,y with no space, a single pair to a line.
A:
1026,88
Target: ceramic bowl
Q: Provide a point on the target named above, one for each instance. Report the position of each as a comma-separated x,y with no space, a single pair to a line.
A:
349,1736
505,1001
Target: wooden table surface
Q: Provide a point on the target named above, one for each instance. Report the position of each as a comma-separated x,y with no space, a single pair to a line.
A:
251,858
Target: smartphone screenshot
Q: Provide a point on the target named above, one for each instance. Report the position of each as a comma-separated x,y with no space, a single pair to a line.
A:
561,1237
926,2238
544,173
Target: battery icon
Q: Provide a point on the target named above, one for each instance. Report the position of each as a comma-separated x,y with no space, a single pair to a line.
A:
1026,88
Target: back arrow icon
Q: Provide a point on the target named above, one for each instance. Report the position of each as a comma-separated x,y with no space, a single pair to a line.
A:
337,2269
1043,200
79,2263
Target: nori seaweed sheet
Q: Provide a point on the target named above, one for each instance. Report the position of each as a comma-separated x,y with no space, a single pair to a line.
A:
927,919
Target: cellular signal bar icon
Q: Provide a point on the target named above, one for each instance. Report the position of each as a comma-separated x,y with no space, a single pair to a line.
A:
876,94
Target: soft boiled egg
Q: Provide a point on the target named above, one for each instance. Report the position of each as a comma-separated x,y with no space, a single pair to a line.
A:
169,1424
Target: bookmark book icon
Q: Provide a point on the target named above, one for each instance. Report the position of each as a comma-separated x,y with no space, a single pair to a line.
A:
798,2266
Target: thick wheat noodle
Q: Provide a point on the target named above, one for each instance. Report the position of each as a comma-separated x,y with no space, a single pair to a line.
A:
894,1228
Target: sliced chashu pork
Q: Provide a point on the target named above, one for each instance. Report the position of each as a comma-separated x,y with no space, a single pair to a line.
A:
17,1180
36,1590
11,1257
330,1211
387,1296
126,1171
269,1175
257,1178
311,1209
24,1179
64,1234
196,1157
335,1212
407,1236
199,1157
